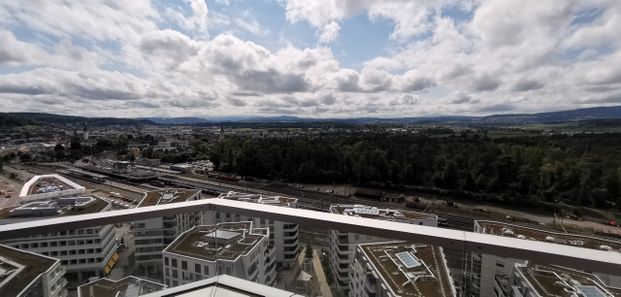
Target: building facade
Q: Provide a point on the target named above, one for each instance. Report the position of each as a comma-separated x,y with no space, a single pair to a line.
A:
26,274
152,235
490,274
83,253
343,244
533,280
283,238
236,249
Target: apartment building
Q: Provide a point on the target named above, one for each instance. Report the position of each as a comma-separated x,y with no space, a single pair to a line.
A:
283,236
343,244
83,253
400,268
26,274
535,280
490,273
129,286
237,249
152,235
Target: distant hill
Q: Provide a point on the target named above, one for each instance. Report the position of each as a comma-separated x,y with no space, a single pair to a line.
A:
595,113
15,119
584,114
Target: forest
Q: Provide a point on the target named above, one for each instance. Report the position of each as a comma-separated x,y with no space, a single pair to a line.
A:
581,169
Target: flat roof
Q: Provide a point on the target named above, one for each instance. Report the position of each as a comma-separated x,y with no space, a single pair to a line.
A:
223,241
48,183
30,265
129,286
167,196
516,231
259,198
97,205
552,280
372,212
222,286
410,269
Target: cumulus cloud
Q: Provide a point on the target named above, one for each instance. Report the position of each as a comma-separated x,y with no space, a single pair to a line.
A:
135,57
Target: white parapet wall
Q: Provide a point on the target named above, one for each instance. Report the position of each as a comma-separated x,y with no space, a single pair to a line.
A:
72,189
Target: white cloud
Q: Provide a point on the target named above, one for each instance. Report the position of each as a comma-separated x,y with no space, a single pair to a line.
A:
128,58
329,32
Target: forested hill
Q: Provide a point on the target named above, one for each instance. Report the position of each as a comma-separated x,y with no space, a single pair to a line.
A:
581,169
16,119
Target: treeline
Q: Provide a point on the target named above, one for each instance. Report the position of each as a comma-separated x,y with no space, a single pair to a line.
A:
582,169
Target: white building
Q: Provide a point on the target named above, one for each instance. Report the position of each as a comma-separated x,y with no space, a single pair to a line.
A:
490,273
129,286
534,280
223,286
83,253
48,187
237,249
283,236
343,244
152,235
26,274
399,268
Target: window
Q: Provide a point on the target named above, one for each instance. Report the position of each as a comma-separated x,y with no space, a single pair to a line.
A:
174,263
206,270
197,268
165,261
174,273
184,265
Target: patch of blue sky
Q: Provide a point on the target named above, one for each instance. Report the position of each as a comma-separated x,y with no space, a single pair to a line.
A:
587,16
361,39
457,13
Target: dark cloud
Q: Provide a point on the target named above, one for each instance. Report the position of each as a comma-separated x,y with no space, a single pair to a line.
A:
527,85
418,84
171,46
348,81
272,81
25,89
98,93
486,84
501,107
235,101
462,98
328,99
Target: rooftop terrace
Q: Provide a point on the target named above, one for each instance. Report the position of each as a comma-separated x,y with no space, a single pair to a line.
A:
50,183
54,208
527,233
373,212
410,269
224,241
261,199
27,267
167,196
555,281
129,286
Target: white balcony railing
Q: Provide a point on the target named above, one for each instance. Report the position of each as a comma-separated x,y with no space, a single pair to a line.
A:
537,251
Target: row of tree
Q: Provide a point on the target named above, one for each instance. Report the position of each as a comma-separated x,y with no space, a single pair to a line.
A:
582,169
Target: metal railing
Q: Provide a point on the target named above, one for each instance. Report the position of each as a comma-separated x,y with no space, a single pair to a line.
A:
534,251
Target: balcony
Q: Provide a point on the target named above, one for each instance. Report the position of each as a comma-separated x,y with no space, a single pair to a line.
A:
238,243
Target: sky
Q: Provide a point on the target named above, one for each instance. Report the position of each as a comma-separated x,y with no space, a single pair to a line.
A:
320,58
